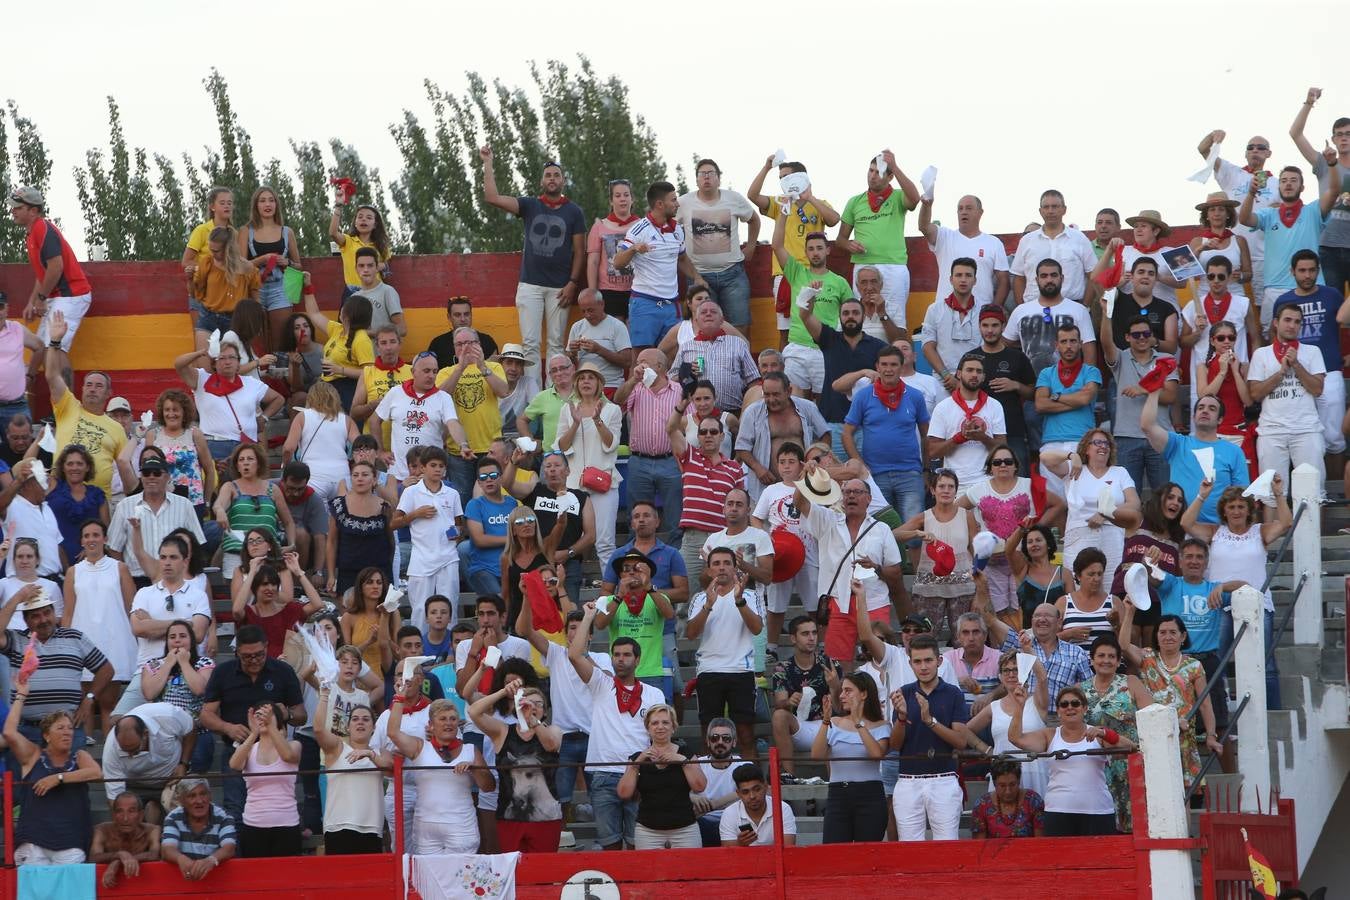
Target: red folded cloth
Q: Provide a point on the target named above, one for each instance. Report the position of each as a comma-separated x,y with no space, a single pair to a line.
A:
543,607
1157,376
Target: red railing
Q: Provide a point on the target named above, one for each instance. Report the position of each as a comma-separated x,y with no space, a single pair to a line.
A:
1225,870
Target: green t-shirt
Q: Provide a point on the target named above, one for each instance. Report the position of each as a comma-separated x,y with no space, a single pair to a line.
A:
646,628
882,233
834,290
546,404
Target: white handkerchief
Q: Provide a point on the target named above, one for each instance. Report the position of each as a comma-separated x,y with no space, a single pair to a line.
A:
805,296
1136,586
236,534
1110,295
602,604
391,599
39,473
526,443
804,704
48,441
411,663
1261,488
862,573
1205,457
927,180
494,656
1106,501
522,729
213,344
568,503
795,184
862,384
1155,570
147,418
1202,176
779,156
1025,663
882,168
649,377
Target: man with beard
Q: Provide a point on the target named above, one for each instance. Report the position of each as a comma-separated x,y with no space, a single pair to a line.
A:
949,326
1008,378
459,312
522,387
717,766
967,241
618,706
727,616
878,217
966,425
654,248
768,423
802,358
1286,377
1286,228
843,352
1065,395
388,372
1054,240
808,666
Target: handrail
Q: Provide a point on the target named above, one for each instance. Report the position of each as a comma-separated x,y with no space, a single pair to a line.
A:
1285,619
1223,663
1284,545
1209,762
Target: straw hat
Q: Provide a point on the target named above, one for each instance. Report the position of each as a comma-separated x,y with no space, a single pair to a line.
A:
1217,198
1152,217
819,488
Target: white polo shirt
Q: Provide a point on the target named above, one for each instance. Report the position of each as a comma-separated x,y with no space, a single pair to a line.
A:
432,546
188,601
726,645
1070,248
734,816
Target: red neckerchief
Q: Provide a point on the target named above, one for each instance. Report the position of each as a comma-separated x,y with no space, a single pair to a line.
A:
398,364
485,680
1216,306
666,227
1112,276
1152,248
1289,213
889,397
707,338
417,702
1281,348
447,751
304,495
963,310
412,391
1221,236
876,198
971,412
629,699
1069,369
1250,171
634,602
620,222
551,203
220,387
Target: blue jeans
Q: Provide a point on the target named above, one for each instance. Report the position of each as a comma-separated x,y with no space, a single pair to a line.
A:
903,491
657,480
572,577
232,785
311,808
462,474
731,289
484,582
837,440
220,450
1136,456
571,756
615,819
1335,266
203,751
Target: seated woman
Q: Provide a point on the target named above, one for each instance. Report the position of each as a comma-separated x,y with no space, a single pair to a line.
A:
444,820
1009,810
304,358
275,612
261,547
860,739
55,824
353,810
180,678
72,499
529,816
271,824
1077,800
662,785
247,502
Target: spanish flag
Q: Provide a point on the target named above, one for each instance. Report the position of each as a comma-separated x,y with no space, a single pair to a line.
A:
1263,876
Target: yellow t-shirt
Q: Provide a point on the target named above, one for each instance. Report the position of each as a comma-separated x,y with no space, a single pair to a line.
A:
200,240
348,251
803,218
476,406
100,435
335,349
380,382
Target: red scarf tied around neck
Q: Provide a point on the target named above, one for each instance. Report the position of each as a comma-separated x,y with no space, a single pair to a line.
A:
1289,213
634,602
221,387
1068,372
629,699
398,364
707,338
1216,306
1220,237
550,202
956,304
876,198
889,397
1280,348
447,751
971,411
412,391
621,222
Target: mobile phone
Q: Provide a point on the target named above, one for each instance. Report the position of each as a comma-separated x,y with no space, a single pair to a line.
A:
747,827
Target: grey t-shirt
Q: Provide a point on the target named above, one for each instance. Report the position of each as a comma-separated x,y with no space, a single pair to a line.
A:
1126,373
1336,232
384,305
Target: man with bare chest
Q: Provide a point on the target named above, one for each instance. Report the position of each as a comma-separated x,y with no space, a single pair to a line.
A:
766,424
126,841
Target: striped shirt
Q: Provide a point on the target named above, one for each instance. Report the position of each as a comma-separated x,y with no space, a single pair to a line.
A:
705,489
198,844
648,412
727,363
656,272
174,513
55,686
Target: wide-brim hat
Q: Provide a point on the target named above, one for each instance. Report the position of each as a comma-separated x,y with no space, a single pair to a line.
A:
1217,198
1152,217
516,352
819,488
41,601
589,367
635,555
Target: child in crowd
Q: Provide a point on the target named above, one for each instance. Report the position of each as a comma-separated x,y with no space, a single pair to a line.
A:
437,639
435,518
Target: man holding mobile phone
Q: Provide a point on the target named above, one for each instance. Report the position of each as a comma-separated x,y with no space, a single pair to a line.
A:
749,821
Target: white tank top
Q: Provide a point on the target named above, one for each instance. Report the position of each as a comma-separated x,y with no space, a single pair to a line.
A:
1239,557
1033,771
443,796
1078,784
354,802
323,446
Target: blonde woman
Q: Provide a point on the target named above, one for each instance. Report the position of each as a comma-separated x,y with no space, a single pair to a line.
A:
319,436
588,432
662,784
1089,472
221,279
526,552
270,245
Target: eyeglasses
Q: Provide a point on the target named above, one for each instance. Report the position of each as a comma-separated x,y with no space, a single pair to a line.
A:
1099,442
489,476
720,739
554,370
1224,338
1010,670
1216,276
709,173
1258,147
1003,461
852,491
912,629
1069,704
526,520
256,539
257,654
1141,334
710,431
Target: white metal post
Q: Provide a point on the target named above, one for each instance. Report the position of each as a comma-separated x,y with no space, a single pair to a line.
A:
1250,662
1307,486
1170,870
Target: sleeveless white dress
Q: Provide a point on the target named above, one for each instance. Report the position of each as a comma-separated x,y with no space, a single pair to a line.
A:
101,614
1034,774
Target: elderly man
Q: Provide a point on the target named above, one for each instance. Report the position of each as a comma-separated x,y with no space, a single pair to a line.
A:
769,423
973,660
137,529
198,836
706,476
523,387
1235,180
968,241
19,437
125,842
149,745
546,404
84,421
475,384
769,360
652,470
419,415
459,313
600,339
1065,663
63,656
721,358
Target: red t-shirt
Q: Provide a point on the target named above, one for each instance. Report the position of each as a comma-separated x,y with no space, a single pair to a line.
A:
705,489
45,243
276,626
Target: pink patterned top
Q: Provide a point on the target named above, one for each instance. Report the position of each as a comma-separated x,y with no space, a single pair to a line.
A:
1000,513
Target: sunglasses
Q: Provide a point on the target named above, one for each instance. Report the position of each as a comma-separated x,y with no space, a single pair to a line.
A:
1069,704
526,520
623,181
152,473
489,476
913,629
710,431
1224,338
423,355
168,602
720,739
1004,461
1216,276
1141,334
1045,315
1258,146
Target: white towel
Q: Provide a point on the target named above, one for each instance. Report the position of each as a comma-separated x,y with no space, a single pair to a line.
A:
458,876
1202,176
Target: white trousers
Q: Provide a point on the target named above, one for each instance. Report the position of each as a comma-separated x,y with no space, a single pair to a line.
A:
645,838
33,855
804,584
74,309
1331,410
535,306
445,837
1284,452
444,581
933,803
894,289
606,514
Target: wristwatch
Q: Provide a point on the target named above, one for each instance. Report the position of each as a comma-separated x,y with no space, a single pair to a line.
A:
89,696
740,603
1054,397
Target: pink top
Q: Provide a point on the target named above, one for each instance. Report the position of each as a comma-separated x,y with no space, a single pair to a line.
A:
604,235
12,368
271,800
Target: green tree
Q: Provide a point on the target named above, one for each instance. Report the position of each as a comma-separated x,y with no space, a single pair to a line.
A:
29,166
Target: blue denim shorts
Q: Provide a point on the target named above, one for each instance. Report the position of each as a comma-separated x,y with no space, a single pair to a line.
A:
272,294
208,320
649,319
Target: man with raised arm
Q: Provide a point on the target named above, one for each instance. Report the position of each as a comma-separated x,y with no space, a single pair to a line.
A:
1230,466
84,421
872,230
1332,167
1235,181
967,241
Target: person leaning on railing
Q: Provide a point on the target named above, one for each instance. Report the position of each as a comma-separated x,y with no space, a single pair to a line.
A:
198,836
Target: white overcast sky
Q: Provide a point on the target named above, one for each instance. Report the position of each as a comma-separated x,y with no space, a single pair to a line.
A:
1105,101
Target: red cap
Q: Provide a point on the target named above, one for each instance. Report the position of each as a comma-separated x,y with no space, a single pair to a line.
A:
993,312
789,555
943,557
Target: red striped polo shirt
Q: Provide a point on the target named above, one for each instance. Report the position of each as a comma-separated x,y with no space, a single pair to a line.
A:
705,489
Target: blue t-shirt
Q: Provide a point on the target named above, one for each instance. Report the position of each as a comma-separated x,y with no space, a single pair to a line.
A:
1204,626
1319,322
1071,425
547,257
1282,243
890,439
492,516
444,649
1230,468
668,562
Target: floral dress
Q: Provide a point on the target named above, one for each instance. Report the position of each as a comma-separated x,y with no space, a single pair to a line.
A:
1114,708
1176,688
185,466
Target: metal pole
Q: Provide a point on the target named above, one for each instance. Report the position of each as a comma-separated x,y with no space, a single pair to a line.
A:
8,813
775,801
398,824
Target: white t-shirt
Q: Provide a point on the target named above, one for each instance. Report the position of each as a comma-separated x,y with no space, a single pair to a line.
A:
188,601
895,672
1070,248
1083,492
720,782
616,735
612,334
570,699
714,229
37,521
750,544
985,249
414,725
967,460
776,509
1237,314
925,384
217,415
734,816
1027,327
413,423
727,645
433,546
1161,290
1289,409
878,545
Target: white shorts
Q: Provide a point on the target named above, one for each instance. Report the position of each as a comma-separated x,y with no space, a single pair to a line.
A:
803,584
805,735
33,855
894,289
74,309
1268,296
805,367
444,837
